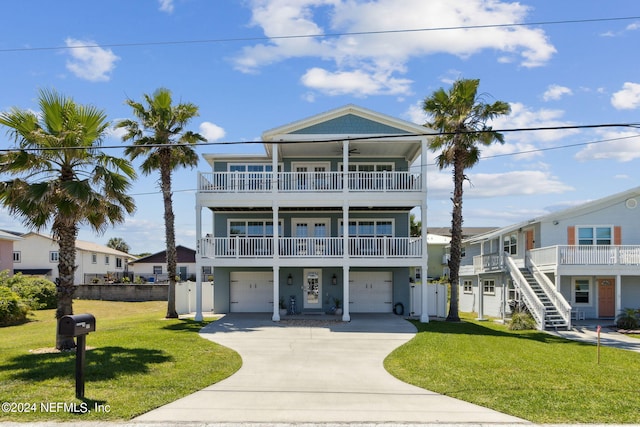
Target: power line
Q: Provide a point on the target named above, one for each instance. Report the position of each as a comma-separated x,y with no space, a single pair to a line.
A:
320,35
349,139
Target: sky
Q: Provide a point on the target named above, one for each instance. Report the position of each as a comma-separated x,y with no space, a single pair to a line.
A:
253,65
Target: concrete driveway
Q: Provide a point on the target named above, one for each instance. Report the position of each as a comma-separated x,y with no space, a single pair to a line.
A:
316,371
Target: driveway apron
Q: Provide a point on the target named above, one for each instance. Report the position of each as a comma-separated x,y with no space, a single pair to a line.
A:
316,371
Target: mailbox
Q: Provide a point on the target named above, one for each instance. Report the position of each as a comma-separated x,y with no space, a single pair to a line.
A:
76,325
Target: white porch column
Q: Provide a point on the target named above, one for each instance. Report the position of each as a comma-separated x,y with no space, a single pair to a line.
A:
276,294
480,286
346,317
424,303
618,292
198,316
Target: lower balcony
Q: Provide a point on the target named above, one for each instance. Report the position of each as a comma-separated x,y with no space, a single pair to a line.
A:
310,247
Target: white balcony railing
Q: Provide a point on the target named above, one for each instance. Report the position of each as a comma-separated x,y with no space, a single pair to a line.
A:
306,247
308,181
587,255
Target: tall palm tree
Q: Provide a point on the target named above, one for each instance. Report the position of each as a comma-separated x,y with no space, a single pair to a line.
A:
59,176
159,134
118,244
461,116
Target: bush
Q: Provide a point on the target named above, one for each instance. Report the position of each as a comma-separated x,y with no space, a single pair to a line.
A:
12,310
522,321
629,318
38,293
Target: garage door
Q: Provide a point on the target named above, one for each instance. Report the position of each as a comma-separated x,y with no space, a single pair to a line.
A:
371,292
251,292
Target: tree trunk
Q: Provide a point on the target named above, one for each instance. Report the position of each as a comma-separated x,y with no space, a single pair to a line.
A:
170,235
456,236
66,236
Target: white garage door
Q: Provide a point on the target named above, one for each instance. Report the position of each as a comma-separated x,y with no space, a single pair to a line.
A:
251,292
371,292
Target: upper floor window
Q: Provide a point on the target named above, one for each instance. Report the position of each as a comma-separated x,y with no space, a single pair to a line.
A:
106,259
53,256
510,245
594,235
258,167
94,258
369,228
17,256
243,228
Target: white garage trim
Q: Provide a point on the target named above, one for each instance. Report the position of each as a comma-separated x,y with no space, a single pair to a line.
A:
251,292
371,292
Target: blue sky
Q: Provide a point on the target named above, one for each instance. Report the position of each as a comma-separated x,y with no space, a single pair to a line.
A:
225,56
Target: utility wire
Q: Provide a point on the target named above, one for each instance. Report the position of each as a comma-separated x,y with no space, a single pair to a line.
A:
319,35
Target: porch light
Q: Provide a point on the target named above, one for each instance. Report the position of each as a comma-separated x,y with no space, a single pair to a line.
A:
334,279
290,279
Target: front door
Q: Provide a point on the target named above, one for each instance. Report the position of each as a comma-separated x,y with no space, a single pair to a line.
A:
312,292
606,297
310,176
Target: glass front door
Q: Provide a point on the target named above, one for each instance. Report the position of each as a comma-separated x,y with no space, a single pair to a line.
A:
312,292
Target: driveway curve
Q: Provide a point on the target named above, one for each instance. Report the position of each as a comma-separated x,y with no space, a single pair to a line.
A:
316,371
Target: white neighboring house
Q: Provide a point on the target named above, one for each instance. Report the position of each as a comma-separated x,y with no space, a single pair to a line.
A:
153,268
7,241
37,254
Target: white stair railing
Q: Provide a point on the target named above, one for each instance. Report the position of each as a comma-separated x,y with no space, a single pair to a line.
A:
556,298
533,303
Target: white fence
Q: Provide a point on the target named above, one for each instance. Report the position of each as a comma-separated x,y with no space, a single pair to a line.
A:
436,300
186,297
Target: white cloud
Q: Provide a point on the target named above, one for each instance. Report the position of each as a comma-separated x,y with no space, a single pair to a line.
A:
377,59
628,98
166,6
555,92
90,63
211,131
623,148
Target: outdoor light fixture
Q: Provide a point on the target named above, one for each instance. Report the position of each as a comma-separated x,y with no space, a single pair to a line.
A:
290,280
334,279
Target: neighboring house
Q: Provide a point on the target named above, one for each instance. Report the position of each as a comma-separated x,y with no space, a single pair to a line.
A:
582,262
323,215
437,265
37,254
153,268
7,254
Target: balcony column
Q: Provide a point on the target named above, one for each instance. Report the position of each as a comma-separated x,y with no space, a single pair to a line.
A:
276,294
345,167
276,263
198,315
618,291
480,286
424,306
274,166
346,317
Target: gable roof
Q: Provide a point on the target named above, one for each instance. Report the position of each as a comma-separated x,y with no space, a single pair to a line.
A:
85,246
184,255
629,196
10,235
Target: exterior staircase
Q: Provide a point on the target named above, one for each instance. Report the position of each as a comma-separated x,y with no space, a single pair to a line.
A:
552,319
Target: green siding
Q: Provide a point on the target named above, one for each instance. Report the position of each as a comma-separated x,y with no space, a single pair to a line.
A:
350,124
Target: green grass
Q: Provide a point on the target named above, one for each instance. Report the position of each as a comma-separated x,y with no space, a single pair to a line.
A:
135,361
528,374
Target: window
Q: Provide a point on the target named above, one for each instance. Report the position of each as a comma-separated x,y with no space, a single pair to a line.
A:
582,292
53,256
512,292
511,244
594,235
252,228
369,228
418,273
467,287
157,269
118,262
106,259
17,256
489,286
94,258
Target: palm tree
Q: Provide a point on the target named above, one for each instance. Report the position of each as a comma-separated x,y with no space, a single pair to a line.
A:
118,244
59,177
461,116
159,134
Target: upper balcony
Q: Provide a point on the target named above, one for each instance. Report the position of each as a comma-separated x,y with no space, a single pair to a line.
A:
325,182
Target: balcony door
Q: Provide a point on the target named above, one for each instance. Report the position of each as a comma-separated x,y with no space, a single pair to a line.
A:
311,176
311,234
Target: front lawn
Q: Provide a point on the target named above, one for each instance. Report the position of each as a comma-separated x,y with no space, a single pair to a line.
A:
528,374
135,361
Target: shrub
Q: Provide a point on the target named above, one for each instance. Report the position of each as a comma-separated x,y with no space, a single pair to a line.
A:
12,310
38,293
521,321
629,318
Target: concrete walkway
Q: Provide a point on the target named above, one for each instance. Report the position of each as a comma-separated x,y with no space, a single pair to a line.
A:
586,331
318,371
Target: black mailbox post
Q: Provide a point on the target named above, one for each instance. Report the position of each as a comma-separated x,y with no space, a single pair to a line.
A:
78,325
